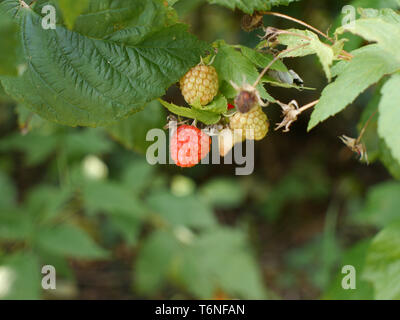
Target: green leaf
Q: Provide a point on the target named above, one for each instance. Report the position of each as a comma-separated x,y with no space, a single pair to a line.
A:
124,21
71,9
9,46
27,120
112,198
47,202
128,227
15,225
367,67
207,117
370,137
389,115
228,265
67,240
36,146
355,41
355,256
381,207
325,53
276,81
223,193
386,14
387,159
383,29
78,143
138,175
154,261
97,75
249,6
189,211
232,65
219,105
20,277
383,263
261,59
131,132
8,192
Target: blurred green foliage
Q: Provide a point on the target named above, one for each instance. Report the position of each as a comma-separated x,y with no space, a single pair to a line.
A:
75,199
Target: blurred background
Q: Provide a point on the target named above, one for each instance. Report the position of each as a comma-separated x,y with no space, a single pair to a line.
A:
114,227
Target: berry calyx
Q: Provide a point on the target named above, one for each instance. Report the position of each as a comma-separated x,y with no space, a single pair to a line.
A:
254,124
245,101
200,84
188,146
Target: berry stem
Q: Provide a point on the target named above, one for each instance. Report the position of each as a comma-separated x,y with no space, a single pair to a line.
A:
308,106
274,60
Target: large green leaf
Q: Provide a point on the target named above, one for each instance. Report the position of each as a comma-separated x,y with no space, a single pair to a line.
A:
72,9
249,6
312,45
382,27
383,263
389,115
367,67
104,70
261,59
8,45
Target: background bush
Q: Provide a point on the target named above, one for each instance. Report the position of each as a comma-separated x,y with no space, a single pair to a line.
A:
116,227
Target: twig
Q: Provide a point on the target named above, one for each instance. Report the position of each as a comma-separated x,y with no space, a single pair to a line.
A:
274,60
365,127
284,16
308,106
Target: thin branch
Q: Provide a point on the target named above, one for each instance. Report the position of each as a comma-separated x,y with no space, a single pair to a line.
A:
365,127
308,106
275,60
284,16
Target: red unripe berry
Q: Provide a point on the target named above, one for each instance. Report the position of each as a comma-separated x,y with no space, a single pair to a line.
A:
188,146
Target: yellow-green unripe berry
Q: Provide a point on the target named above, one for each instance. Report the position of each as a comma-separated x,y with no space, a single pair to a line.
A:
255,120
